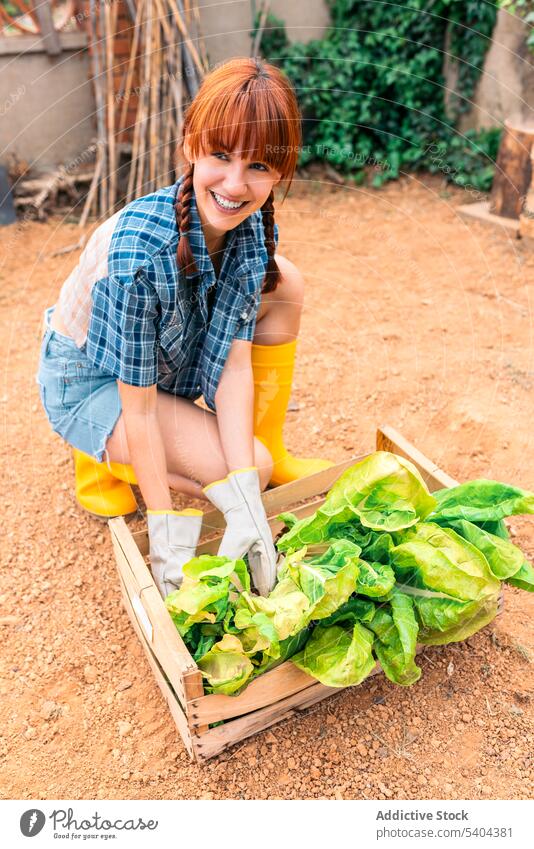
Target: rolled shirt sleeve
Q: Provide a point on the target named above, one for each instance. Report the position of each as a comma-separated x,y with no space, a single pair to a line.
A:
123,332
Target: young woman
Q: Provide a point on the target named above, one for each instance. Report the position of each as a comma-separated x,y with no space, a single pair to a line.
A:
181,295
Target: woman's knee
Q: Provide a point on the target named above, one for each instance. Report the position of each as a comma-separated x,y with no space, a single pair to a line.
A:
263,461
291,287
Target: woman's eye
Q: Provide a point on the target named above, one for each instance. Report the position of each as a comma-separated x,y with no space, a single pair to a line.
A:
259,166
220,155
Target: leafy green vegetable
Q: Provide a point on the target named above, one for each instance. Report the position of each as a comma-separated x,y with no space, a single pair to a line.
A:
381,566
482,501
327,580
383,492
504,558
396,630
450,581
205,591
354,610
225,666
375,579
523,578
338,656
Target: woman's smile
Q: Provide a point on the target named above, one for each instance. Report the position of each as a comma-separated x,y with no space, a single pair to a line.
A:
226,204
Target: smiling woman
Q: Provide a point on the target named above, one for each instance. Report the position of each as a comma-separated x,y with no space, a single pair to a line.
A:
177,296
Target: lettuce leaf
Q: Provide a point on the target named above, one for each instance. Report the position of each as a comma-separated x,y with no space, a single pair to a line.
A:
449,580
482,501
226,667
327,580
383,492
375,579
396,629
338,656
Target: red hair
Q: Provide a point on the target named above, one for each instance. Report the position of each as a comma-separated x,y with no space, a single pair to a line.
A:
249,104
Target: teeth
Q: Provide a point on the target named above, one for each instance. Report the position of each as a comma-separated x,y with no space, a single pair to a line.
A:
226,204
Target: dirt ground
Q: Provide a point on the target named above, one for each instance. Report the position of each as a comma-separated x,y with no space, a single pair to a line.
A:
413,318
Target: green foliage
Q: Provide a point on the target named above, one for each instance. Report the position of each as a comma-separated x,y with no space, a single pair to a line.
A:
522,9
372,91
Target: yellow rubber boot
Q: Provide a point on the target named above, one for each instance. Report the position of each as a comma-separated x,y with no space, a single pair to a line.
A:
273,367
100,492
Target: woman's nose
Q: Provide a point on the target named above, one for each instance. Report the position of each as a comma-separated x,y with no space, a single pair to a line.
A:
235,182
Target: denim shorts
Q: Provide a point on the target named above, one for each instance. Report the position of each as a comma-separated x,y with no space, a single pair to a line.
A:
81,402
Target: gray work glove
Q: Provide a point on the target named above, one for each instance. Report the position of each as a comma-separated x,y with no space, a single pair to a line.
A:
238,496
173,537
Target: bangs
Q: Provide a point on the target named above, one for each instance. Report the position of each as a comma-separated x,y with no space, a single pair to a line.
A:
258,118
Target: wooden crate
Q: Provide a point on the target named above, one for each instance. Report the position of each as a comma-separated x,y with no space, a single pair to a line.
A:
273,696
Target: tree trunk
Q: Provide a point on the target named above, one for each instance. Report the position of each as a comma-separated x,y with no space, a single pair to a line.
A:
526,225
513,172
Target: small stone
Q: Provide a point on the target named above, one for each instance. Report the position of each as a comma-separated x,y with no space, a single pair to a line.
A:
291,763
284,778
466,717
314,772
30,733
361,750
49,710
123,685
124,728
206,796
331,720
90,674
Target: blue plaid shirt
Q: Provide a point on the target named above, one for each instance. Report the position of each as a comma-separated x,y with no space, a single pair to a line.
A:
150,322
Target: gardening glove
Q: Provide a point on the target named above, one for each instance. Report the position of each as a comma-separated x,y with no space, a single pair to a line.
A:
238,497
173,537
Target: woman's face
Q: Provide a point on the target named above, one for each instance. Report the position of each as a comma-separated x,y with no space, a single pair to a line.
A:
229,187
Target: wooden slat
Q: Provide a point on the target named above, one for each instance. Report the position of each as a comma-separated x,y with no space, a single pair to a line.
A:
167,645
270,687
168,693
216,740
389,439
194,689
140,611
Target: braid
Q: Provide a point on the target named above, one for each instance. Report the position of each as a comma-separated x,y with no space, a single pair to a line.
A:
272,274
182,209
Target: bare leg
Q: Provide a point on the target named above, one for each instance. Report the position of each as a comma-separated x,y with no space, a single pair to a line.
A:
192,446
280,311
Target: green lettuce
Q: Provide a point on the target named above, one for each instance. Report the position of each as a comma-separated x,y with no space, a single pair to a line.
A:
375,579
338,656
383,492
327,580
453,589
482,501
226,667
523,578
504,558
396,629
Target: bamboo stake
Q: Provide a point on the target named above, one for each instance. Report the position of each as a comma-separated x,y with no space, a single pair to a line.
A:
143,111
155,79
183,29
95,61
131,67
110,20
91,194
261,26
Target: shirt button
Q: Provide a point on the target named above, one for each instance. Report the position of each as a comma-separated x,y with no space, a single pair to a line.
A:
244,315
